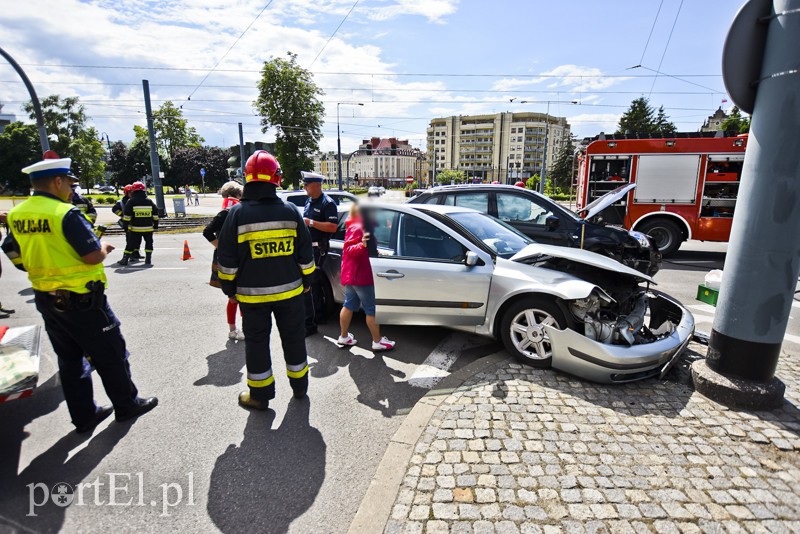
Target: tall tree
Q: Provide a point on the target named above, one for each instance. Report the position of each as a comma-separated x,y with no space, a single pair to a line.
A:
172,130
641,119
66,123
19,147
188,162
736,122
289,101
561,172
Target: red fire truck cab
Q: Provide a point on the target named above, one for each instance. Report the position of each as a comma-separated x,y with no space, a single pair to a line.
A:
686,186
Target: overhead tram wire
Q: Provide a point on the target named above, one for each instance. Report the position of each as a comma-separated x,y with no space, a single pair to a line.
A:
333,34
653,27
188,98
666,46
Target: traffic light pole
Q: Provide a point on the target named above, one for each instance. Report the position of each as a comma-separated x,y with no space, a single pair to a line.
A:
154,164
763,260
241,151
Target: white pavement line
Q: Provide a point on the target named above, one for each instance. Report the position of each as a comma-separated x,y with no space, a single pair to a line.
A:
793,339
703,308
703,318
437,365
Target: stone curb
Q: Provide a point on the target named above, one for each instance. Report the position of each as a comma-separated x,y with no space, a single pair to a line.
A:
376,507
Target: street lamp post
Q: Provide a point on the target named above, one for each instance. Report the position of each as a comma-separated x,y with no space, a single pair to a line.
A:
37,108
339,137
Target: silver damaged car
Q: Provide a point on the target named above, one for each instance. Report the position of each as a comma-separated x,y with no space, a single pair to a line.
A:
570,309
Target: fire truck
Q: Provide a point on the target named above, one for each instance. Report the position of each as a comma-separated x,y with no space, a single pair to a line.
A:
672,189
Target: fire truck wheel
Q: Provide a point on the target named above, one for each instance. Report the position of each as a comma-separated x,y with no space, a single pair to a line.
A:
665,233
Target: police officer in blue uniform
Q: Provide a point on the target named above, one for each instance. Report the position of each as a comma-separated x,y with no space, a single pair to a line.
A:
321,216
51,240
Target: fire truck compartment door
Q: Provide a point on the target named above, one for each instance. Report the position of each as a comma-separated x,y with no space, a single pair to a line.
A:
667,178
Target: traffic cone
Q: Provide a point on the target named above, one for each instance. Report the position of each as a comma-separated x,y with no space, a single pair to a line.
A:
186,254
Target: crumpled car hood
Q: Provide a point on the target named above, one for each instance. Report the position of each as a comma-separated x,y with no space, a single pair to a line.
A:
605,201
534,250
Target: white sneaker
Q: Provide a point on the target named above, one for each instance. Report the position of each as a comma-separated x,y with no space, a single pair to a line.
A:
348,341
383,344
238,335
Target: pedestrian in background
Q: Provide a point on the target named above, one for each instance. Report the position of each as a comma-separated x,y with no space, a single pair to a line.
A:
63,257
266,262
196,199
188,192
231,192
359,287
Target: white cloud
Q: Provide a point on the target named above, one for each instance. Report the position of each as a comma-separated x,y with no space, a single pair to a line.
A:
590,124
565,78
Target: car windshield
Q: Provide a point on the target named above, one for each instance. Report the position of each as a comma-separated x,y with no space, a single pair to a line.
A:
501,238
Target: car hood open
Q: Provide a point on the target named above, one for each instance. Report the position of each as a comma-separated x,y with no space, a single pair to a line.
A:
535,250
605,201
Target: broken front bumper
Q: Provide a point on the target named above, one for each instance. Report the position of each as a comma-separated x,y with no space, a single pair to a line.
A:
578,355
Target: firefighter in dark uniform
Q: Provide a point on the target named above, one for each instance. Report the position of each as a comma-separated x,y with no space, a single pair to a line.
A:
140,218
321,216
55,244
117,210
84,205
266,262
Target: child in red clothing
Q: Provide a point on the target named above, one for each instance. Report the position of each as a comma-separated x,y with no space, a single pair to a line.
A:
359,288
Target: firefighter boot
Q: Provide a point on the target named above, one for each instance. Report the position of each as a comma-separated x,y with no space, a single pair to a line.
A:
136,255
125,259
148,258
248,402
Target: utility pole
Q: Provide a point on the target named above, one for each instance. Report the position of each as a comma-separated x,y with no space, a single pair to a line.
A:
760,57
241,150
339,141
37,108
154,164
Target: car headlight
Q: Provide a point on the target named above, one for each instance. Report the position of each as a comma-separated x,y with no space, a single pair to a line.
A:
643,240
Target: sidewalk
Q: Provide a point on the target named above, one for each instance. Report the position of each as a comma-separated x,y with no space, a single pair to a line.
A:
516,449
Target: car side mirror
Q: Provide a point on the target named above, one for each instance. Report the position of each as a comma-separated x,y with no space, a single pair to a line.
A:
472,259
552,222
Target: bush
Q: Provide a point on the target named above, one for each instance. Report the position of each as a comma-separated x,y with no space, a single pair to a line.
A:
109,200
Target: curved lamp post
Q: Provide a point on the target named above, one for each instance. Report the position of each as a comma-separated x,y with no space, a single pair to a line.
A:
37,108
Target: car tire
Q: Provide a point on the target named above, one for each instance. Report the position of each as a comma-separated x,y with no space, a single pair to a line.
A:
517,316
666,234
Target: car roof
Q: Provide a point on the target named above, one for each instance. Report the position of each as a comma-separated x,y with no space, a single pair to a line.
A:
326,191
489,187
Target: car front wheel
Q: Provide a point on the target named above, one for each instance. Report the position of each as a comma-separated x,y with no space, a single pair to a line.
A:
523,334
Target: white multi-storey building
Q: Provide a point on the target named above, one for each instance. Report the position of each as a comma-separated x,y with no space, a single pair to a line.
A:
503,147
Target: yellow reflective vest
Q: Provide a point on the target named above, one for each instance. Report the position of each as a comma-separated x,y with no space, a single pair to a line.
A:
51,262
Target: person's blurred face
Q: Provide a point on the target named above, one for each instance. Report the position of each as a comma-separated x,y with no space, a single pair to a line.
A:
63,188
313,189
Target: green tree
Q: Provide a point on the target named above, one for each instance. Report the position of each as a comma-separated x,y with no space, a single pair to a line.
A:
172,131
448,176
532,182
642,119
188,162
288,100
66,123
19,147
736,122
562,171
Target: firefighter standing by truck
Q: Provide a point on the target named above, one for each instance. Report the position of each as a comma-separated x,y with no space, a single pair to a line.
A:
140,217
55,244
266,263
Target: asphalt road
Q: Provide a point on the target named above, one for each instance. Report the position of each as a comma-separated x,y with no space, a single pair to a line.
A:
303,466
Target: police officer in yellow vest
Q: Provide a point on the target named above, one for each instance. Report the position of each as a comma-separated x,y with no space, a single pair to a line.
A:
51,240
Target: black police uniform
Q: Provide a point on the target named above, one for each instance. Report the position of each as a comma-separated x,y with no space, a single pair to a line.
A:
85,206
265,262
140,217
84,324
320,209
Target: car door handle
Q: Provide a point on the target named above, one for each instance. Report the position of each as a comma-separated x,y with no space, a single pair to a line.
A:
391,274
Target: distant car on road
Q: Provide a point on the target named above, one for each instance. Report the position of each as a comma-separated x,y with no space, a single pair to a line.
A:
574,310
107,189
298,198
546,222
374,191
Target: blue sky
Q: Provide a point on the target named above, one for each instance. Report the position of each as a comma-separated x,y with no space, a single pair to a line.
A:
533,50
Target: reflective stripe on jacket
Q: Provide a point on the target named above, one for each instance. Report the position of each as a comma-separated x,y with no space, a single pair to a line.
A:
140,213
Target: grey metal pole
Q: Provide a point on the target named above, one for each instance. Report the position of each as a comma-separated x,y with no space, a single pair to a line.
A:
339,147
241,150
154,164
37,108
763,260
542,178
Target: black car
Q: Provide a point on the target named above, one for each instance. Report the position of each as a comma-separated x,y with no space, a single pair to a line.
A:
545,221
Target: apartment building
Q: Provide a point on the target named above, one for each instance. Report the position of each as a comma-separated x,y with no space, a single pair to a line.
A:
503,147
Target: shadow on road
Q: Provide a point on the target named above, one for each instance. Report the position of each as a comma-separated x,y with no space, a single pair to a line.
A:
378,390
274,475
225,366
50,467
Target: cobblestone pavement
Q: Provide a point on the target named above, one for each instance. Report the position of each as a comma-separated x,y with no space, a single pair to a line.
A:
517,449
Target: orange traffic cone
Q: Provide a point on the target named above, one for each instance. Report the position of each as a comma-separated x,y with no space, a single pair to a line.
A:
186,254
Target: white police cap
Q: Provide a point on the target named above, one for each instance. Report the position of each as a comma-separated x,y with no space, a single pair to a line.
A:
51,165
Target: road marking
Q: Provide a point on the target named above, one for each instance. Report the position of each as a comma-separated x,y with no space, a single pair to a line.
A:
437,365
703,318
703,308
793,339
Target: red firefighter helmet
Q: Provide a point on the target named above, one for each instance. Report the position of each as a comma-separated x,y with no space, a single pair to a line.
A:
127,188
520,184
263,167
138,186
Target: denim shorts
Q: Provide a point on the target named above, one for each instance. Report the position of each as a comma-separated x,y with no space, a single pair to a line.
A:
356,297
